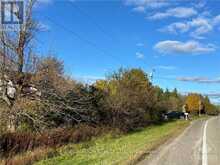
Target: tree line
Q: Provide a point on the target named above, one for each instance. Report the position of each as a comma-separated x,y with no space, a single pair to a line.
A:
126,100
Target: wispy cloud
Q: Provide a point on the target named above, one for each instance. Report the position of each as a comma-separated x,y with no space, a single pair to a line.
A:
200,4
213,95
178,12
140,44
140,9
201,25
175,28
216,20
143,5
178,47
165,67
139,55
197,27
204,80
201,20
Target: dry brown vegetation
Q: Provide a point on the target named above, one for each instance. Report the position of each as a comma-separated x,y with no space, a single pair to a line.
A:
30,157
19,142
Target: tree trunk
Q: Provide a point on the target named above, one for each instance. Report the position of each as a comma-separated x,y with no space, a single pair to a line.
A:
20,60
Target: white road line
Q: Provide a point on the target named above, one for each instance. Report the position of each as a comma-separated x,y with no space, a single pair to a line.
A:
204,146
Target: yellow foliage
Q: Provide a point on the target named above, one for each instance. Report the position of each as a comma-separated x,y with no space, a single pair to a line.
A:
193,102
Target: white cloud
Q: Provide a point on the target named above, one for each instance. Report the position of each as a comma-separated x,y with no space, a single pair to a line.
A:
157,4
200,4
178,12
139,55
159,16
143,5
140,44
202,26
165,67
199,80
177,47
213,95
198,26
176,27
216,20
140,9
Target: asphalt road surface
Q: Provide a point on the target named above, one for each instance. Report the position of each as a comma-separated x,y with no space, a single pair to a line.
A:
199,144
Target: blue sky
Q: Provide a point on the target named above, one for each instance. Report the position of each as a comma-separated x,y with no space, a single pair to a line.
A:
179,39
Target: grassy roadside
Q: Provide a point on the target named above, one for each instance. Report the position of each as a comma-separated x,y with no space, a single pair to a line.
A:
108,149
126,149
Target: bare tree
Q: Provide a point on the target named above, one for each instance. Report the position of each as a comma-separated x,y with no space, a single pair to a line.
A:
15,49
19,92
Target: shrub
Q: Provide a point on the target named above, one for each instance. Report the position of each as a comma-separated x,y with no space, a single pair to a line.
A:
14,143
30,157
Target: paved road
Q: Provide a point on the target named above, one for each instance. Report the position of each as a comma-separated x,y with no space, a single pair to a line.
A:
198,145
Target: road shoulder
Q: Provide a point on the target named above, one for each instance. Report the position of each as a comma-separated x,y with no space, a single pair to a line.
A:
160,151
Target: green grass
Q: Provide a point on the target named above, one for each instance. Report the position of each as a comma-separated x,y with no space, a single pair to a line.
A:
117,150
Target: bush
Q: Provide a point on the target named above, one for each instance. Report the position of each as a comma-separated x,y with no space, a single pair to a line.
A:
14,143
30,157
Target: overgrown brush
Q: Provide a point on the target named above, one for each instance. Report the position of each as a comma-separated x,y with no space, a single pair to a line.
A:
15,143
30,157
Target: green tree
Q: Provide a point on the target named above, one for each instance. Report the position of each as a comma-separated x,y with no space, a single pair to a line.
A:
209,107
129,97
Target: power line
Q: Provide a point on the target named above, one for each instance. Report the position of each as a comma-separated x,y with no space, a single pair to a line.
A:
88,42
91,20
